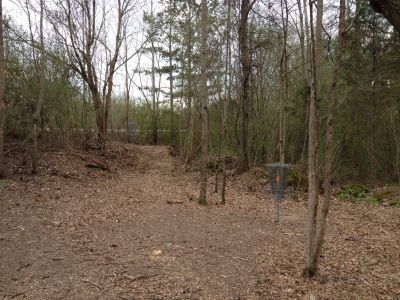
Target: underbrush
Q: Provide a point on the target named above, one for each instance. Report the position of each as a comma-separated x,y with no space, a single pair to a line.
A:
387,195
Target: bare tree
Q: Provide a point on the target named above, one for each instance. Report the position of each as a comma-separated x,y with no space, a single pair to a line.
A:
128,85
204,104
189,83
84,27
171,71
310,270
154,98
2,95
319,239
42,70
245,60
302,38
283,74
316,230
227,96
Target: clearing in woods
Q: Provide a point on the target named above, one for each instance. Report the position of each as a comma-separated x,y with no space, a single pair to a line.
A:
136,232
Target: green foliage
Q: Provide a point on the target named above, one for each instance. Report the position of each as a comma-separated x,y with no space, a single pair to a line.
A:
359,193
353,191
373,201
367,113
22,91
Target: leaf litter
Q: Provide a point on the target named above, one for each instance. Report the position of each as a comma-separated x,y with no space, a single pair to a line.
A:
133,230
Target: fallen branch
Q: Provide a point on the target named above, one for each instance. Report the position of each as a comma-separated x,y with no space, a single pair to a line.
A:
174,202
97,165
91,162
18,146
140,277
94,284
15,295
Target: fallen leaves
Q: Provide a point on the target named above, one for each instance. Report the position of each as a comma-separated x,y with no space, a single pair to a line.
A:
90,223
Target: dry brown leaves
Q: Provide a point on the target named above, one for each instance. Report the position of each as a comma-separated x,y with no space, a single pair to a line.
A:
136,232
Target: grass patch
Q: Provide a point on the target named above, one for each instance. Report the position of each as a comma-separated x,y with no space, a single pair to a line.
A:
394,202
387,194
360,193
3,184
353,192
374,201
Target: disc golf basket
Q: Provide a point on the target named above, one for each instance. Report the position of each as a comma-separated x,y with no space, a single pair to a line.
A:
278,177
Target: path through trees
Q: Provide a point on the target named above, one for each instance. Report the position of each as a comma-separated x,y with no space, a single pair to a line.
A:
138,231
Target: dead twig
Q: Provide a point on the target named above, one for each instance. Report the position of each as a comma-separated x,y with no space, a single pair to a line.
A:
16,295
174,202
94,284
91,162
140,277
18,146
237,257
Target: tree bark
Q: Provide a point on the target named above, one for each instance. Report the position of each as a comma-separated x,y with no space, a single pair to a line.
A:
171,79
307,35
302,40
153,83
2,95
36,116
189,92
244,56
329,139
127,94
283,70
310,268
204,104
227,91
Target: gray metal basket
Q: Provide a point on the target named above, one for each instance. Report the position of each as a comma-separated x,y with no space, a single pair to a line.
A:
278,176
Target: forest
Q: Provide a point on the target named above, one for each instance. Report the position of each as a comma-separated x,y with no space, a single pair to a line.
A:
135,138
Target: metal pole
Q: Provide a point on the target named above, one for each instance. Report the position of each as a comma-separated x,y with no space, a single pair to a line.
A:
277,200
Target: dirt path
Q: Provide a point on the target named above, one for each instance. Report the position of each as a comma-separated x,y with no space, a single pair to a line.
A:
140,234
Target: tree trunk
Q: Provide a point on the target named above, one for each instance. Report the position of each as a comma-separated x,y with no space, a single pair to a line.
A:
372,110
310,268
307,36
127,94
36,116
107,107
99,113
190,133
171,79
204,104
329,139
302,40
283,82
2,95
245,83
153,83
227,90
